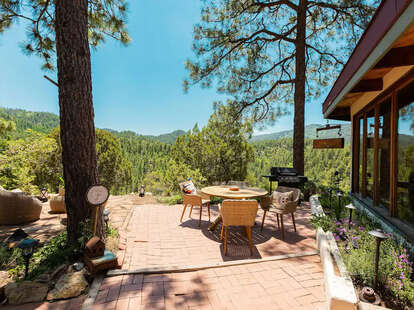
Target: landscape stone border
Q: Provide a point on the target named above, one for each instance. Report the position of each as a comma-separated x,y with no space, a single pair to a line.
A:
340,292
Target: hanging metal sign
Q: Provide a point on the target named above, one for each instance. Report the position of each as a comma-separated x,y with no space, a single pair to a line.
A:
334,143
331,143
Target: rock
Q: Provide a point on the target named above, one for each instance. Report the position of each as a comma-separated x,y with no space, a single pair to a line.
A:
4,280
78,266
43,278
69,285
26,291
58,271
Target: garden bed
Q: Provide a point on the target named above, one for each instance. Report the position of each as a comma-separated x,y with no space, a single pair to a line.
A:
358,247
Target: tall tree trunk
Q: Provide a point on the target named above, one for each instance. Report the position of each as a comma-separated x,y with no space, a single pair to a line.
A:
77,129
300,82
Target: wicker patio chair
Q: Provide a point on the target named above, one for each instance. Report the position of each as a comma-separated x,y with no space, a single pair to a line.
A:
192,200
238,213
288,207
266,204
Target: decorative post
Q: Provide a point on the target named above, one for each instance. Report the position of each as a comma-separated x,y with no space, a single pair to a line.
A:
351,207
379,236
27,246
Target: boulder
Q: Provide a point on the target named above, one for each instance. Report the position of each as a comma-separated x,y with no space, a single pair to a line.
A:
69,285
26,291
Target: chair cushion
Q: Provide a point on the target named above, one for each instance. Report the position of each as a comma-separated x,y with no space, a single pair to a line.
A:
280,198
189,188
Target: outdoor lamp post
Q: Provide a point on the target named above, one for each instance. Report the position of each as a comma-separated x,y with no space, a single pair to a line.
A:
379,236
351,207
339,194
43,193
142,191
330,197
27,246
106,217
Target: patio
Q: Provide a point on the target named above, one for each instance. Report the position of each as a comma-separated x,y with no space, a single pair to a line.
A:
156,239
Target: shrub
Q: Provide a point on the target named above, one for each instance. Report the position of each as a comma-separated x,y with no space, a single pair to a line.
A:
171,200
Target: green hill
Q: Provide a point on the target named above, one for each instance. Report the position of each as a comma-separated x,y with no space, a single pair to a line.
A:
43,122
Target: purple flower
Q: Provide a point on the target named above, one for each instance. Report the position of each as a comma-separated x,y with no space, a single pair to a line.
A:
361,228
355,238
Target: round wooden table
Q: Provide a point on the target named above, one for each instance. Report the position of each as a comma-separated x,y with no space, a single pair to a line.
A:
223,191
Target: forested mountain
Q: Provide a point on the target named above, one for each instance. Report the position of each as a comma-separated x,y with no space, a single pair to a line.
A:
310,133
149,157
42,122
168,137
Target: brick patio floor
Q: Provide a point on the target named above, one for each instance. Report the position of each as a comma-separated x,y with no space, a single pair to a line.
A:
155,237
295,283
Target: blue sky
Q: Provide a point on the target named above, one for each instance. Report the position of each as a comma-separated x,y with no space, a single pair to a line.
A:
136,88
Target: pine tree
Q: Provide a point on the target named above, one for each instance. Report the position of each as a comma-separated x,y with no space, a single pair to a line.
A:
60,32
268,54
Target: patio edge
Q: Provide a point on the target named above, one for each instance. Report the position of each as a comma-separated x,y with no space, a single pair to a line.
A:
188,268
340,291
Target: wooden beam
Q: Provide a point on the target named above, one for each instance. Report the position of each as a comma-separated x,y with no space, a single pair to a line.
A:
397,57
364,158
368,85
356,144
376,174
341,113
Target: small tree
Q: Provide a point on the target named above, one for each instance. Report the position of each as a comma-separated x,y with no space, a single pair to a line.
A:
220,151
268,54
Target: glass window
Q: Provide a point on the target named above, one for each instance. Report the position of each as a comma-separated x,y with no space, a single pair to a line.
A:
405,181
384,135
370,153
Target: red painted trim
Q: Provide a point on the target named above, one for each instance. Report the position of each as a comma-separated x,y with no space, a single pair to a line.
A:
384,18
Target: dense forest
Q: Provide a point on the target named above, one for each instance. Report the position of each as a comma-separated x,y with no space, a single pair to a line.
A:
30,158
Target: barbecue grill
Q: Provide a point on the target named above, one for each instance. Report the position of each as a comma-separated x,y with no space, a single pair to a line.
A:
285,176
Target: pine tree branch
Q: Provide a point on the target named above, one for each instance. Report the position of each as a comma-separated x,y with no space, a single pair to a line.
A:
325,53
341,9
276,36
276,3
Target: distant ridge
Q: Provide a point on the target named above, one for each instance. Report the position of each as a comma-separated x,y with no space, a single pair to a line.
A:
45,122
310,133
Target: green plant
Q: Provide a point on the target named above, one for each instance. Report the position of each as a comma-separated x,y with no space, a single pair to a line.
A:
61,182
86,233
325,222
171,200
55,252
111,231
